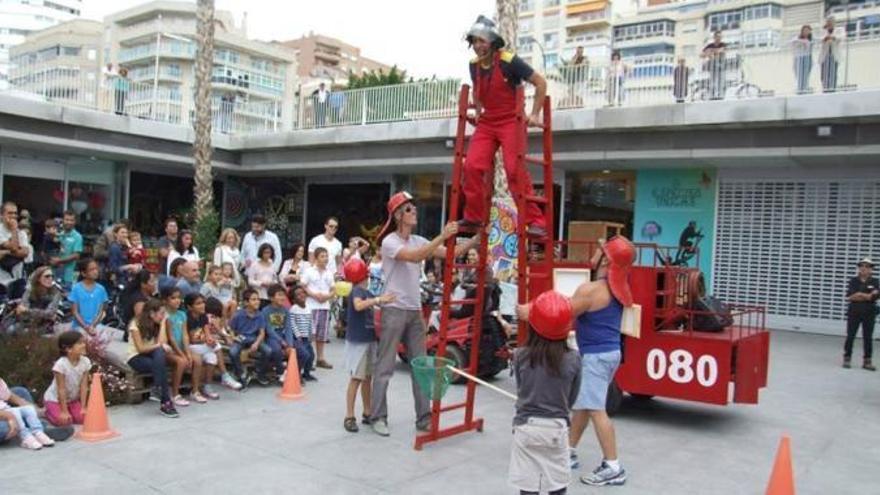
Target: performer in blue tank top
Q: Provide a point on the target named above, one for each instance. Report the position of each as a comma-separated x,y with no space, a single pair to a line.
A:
599,308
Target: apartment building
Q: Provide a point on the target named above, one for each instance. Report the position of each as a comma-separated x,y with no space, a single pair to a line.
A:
18,18
661,31
156,43
550,31
60,62
327,59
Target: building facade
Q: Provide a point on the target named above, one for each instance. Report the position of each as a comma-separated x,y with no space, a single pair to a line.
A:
323,58
758,35
18,18
550,31
254,83
61,62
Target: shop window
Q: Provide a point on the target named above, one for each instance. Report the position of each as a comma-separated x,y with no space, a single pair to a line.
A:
602,197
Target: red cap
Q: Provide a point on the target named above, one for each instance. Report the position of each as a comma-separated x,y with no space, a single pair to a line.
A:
550,315
399,199
355,270
621,255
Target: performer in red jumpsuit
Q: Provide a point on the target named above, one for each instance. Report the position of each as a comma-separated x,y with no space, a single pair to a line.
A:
496,74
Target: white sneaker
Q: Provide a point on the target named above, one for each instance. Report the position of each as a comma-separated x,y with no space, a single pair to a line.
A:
180,401
44,439
228,381
31,443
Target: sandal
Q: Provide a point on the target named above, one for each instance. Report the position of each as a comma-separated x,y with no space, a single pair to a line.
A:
351,425
365,419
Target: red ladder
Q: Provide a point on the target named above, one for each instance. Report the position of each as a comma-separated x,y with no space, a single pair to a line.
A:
469,422
535,268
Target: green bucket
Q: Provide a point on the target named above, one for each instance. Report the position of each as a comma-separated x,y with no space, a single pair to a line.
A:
432,375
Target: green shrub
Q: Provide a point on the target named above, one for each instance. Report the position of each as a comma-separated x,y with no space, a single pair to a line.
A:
26,360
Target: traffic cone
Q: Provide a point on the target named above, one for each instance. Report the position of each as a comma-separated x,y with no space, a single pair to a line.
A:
782,477
292,389
96,426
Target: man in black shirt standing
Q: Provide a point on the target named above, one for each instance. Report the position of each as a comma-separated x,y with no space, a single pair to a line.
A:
862,293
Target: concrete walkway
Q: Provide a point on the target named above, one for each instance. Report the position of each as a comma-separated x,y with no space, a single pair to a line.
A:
252,443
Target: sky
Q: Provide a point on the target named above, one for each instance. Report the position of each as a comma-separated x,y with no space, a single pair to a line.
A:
423,37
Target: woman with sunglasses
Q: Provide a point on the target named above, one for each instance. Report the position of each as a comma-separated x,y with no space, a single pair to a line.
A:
38,308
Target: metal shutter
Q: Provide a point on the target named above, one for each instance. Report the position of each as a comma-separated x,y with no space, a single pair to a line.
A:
791,245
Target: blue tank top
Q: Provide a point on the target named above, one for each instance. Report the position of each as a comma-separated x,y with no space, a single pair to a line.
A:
599,331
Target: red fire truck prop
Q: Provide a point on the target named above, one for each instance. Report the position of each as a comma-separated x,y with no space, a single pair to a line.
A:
674,357
671,358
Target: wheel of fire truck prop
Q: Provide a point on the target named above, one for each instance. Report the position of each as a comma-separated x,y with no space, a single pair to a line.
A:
456,354
696,287
433,376
614,399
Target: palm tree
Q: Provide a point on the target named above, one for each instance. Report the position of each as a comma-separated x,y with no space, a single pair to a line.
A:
506,13
203,191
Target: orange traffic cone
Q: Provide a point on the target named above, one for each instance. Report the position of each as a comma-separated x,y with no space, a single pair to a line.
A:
96,426
782,477
292,389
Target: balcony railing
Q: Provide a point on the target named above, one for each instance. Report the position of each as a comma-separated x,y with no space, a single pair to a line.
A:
650,80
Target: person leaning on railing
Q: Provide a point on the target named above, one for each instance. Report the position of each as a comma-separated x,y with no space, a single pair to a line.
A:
829,55
802,51
714,56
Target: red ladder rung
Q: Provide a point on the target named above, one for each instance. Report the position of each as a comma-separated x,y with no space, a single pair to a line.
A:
463,302
534,161
452,407
537,199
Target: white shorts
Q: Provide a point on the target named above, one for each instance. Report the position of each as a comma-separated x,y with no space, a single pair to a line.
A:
360,358
539,456
207,353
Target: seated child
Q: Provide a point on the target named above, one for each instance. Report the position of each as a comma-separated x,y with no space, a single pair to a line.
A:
218,287
65,396
218,336
279,329
360,340
301,320
204,345
22,418
249,324
179,355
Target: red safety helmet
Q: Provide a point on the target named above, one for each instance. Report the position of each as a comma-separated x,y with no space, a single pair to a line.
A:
355,270
399,199
550,314
621,255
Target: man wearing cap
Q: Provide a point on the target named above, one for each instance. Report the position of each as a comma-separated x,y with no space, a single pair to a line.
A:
401,320
496,74
598,307
862,293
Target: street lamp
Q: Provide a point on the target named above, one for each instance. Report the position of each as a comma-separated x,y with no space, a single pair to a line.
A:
159,35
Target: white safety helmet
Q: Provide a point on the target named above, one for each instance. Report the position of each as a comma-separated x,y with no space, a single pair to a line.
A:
486,29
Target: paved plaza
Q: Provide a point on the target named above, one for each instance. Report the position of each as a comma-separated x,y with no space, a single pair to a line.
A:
252,443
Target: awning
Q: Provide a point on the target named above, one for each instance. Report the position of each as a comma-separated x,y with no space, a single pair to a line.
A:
588,6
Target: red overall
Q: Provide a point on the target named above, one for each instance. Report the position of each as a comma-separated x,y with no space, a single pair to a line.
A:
497,126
